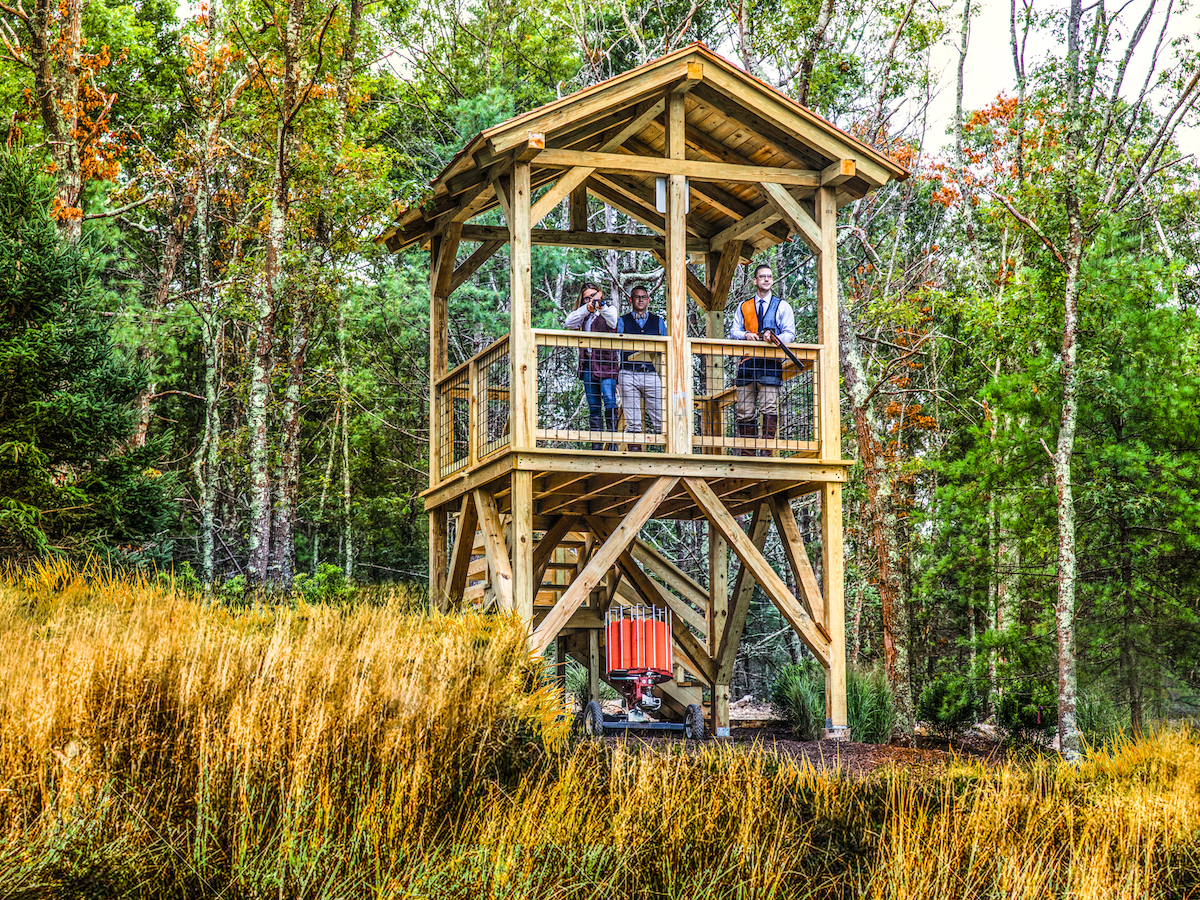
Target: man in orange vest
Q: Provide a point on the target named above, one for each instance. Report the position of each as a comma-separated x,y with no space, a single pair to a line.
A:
758,379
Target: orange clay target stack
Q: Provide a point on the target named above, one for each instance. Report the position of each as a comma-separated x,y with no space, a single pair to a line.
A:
637,657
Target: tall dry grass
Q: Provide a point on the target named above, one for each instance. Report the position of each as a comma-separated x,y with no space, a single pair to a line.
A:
152,745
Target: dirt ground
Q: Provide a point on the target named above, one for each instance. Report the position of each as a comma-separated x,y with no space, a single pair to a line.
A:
927,752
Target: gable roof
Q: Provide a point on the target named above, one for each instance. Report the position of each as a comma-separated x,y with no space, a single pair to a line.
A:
732,120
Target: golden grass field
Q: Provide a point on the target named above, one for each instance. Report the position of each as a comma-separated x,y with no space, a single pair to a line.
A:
153,745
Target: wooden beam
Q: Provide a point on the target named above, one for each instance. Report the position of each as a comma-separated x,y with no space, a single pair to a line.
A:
495,549
677,399
700,170
830,414
797,556
578,108
632,204
525,583
503,186
530,148
833,576
695,287
601,561
549,542
522,352
767,577
569,181
652,112
695,75
793,213
579,210
672,576
722,279
464,542
596,240
655,595
739,231
471,264
743,592
838,173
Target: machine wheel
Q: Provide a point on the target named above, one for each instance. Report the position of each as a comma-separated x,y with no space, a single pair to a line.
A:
693,723
593,720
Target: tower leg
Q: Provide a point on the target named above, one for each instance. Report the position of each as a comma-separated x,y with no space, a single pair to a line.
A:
524,590
593,666
833,586
438,561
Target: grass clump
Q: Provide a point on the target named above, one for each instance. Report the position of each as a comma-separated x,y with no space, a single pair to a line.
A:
798,698
154,745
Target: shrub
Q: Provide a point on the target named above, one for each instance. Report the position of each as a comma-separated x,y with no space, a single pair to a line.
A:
329,585
950,703
577,686
798,697
1028,713
869,707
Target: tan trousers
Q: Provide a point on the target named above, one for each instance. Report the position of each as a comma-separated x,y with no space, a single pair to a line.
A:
755,398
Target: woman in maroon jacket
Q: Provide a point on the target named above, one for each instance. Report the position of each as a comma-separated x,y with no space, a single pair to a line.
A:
597,368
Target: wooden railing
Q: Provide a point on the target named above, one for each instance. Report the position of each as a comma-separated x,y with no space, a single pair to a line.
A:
471,410
472,403
563,419
718,366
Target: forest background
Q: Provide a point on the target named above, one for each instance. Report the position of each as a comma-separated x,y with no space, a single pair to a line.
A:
213,367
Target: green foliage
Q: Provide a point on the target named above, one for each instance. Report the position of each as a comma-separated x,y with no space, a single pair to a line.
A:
577,687
950,703
1028,712
329,585
1099,721
68,482
798,697
870,709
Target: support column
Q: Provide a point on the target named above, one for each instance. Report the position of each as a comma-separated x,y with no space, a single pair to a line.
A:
524,589
678,389
833,575
718,550
833,588
827,324
522,352
593,663
443,249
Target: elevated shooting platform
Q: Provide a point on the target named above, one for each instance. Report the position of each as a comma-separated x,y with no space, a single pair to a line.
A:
524,515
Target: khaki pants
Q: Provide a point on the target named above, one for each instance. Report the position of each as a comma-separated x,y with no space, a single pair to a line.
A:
641,394
755,398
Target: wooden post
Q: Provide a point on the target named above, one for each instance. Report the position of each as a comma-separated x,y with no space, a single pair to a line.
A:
827,325
439,337
593,664
579,209
718,549
524,588
833,584
678,389
522,352
831,448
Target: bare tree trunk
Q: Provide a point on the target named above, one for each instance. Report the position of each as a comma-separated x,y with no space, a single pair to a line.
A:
968,195
1064,610
885,520
344,390
268,299
325,482
815,42
288,481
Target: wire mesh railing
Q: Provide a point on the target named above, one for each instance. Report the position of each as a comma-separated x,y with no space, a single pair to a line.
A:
492,398
753,399
600,391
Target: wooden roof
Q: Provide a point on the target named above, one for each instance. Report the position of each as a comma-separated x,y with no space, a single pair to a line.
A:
751,151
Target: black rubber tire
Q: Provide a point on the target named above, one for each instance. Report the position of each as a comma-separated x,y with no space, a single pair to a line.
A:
593,720
693,723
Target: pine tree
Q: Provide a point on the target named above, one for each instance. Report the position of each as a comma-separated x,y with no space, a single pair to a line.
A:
65,392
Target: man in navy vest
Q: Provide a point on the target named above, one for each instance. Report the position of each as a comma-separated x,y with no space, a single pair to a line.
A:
758,379
641,388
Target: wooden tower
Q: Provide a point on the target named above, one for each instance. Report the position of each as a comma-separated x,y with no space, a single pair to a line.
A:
523,514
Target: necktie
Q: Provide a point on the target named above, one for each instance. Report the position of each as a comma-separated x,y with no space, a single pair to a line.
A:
760,314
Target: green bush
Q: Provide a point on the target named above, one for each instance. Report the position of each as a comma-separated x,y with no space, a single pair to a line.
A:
869,707
577,686
329,585
1028,713
798,697
950,703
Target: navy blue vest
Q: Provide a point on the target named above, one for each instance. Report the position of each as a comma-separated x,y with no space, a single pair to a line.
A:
653,327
